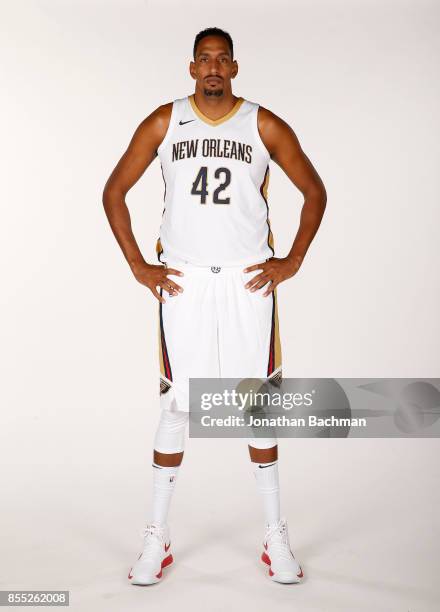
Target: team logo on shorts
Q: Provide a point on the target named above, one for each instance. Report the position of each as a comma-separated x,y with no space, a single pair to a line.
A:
215,269
164,386
276,379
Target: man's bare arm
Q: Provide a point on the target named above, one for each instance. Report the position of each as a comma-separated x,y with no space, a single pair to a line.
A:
140,153
285,149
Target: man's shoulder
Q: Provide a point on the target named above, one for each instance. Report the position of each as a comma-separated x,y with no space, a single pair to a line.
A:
271,126
267,118
163,112
161,115
273,130
156,123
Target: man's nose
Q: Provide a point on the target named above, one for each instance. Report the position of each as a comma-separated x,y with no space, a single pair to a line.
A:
214,65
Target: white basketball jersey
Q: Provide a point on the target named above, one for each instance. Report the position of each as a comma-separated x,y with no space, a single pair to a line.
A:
216,175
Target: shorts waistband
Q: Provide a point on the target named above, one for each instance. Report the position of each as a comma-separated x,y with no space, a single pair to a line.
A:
181,264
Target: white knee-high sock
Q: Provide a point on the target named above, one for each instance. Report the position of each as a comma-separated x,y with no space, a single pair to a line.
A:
266,475
164,480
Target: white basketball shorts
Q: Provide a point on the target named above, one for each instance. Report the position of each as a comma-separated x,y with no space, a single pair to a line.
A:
215,329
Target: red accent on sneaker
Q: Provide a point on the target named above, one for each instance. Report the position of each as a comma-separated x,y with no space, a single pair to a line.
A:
167,561
265,557
167,547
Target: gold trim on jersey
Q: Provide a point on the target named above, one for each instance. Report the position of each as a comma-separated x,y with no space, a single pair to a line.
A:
263,190
209,121
159,249
270,239
265,185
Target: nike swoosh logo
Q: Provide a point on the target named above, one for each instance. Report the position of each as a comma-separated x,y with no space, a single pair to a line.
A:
264,466
183,122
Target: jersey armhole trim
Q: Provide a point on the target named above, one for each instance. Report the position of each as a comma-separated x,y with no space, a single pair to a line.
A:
169,129
257,133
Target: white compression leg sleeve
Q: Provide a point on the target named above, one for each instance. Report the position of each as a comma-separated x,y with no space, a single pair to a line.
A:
170,434
262,443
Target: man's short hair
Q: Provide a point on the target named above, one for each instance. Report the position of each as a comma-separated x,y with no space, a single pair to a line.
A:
214,32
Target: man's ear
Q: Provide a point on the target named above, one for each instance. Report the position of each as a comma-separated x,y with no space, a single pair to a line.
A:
192,70
234,70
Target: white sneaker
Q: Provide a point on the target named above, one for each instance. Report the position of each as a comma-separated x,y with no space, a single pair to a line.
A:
155,556
283,567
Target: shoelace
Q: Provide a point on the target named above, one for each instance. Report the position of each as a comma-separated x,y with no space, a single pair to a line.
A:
279,544
154,540
279,528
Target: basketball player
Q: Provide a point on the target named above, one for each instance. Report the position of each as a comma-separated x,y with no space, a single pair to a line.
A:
216,268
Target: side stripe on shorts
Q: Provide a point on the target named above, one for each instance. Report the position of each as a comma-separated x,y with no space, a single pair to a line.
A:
165,366
274,361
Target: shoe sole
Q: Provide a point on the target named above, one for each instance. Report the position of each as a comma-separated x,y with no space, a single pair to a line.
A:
266,560
165,563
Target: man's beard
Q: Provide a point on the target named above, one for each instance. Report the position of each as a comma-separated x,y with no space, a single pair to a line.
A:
213,92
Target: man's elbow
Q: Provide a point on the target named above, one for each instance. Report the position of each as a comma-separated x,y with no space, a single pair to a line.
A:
111,195
323,197
317,194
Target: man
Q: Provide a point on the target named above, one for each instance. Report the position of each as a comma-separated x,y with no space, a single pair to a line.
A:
220,319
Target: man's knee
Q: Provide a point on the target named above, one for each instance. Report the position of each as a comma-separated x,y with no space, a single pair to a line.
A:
170,434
